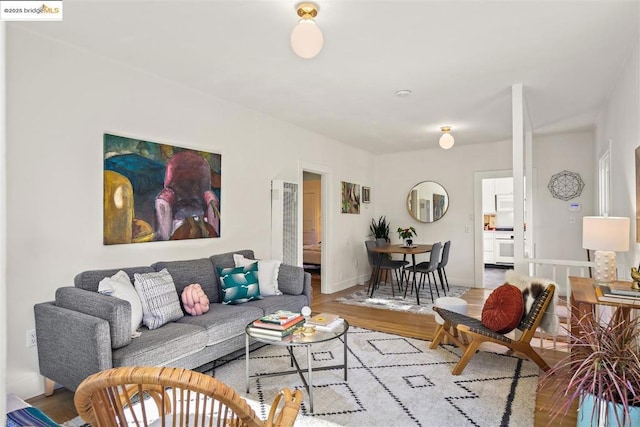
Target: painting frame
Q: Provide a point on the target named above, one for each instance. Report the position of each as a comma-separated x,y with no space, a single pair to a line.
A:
366,194
158,191
350,198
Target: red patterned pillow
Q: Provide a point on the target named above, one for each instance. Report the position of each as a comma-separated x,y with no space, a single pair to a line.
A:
504,309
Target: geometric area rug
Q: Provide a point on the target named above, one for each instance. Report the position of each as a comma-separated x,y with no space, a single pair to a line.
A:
383,298
391,381
395,381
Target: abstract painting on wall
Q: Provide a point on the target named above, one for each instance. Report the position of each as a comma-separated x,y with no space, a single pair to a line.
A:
350,198
155,192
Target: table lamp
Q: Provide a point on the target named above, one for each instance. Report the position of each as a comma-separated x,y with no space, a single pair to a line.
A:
606,235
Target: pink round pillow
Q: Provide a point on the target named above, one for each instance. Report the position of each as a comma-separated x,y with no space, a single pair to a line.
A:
194,300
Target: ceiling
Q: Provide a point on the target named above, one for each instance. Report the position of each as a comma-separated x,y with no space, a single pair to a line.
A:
459,59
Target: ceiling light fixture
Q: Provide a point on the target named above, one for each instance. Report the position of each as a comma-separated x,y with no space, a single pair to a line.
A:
403,93
446,140
306,37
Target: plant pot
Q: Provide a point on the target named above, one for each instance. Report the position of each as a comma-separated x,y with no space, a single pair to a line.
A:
586,410
408,242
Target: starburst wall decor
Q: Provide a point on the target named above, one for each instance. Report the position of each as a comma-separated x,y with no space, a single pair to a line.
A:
566,185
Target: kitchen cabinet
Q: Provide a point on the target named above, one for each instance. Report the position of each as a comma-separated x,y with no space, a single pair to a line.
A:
503,185
488,247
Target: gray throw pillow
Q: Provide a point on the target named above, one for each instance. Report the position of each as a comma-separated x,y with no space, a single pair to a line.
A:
159,298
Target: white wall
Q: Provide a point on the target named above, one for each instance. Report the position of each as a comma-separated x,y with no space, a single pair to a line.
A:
453,169
60,102
555,235
619,123
3,228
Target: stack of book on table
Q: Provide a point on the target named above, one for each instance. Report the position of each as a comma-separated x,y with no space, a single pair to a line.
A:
620,296
325,322
277,325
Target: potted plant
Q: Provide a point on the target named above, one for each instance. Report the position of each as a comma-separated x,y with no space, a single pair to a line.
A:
407,234
380,229
602,370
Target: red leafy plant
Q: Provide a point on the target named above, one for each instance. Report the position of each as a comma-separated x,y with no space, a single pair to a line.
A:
604,361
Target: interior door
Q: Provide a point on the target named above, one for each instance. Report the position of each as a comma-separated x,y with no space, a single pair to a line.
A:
309,213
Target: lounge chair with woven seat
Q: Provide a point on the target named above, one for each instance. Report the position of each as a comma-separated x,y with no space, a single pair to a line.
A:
141,395
476,333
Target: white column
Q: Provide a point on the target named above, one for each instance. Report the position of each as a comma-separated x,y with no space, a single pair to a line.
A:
518,118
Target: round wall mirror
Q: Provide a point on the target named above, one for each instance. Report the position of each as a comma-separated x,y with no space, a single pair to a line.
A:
427,201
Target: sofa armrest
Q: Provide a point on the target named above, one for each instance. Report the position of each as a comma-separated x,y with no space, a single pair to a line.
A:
116,311
307,290
293,280
71,345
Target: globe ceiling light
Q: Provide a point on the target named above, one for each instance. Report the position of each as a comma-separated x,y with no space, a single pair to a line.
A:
446,140
306,37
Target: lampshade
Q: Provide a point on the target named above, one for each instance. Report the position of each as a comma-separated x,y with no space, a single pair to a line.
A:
606,235
446,140
306,37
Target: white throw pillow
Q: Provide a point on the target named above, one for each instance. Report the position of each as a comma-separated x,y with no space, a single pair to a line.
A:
267,273
119,286
159,297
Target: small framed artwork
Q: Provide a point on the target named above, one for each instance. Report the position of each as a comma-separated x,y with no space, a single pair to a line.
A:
366,195
350,198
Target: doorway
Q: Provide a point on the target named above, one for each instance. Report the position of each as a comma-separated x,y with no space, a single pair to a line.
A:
315,223
494,230
312,225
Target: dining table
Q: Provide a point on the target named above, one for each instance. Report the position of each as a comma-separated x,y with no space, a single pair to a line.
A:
412,250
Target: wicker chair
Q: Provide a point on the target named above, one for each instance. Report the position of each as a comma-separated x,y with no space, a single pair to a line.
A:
138,395
474,331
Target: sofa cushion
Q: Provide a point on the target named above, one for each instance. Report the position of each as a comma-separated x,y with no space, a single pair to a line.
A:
239,284
187,272
119,286
161,346
224,321
280,302
267,273
160,302
290,279
226,260
89,280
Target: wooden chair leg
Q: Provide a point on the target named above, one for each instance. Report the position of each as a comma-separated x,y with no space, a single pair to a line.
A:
531,354
49,385
437,338
469,352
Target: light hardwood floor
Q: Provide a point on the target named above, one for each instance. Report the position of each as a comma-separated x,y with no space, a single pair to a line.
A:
60,406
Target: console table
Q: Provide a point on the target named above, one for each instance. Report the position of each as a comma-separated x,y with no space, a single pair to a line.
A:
584,299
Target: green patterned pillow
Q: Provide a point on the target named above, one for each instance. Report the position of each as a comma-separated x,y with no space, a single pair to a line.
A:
239,284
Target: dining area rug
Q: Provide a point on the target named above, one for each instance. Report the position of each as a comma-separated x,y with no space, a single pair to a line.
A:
384,299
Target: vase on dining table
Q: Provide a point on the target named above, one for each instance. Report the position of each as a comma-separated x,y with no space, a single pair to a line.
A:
408,242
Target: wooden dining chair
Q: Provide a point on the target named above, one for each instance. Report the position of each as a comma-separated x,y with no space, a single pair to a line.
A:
476,333
139,395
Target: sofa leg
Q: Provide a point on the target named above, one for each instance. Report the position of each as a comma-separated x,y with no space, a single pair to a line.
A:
49,385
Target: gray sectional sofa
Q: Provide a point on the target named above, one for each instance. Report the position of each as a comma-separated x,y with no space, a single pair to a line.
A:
83,331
